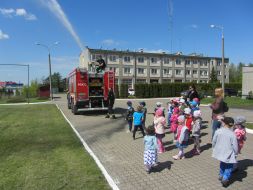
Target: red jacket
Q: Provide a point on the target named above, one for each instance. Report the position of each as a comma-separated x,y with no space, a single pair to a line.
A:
188,123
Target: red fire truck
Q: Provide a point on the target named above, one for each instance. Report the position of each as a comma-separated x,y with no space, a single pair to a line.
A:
88,91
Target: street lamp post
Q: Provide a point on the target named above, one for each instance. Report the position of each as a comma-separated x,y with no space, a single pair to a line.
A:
223,56
49,64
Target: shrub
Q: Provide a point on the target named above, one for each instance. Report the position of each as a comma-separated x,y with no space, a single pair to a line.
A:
123,91
16,99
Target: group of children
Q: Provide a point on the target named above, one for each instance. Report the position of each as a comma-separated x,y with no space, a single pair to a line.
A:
184,120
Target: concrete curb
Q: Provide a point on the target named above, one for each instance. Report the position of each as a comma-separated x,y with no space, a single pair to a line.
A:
20,104
92,154
250,131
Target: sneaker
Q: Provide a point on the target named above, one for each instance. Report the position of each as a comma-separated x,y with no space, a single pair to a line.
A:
225,183
220,178
176,157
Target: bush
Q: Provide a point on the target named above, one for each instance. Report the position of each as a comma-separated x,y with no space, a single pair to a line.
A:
123,91
16,99
174,89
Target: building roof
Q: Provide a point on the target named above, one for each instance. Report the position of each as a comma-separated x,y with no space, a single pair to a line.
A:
138,53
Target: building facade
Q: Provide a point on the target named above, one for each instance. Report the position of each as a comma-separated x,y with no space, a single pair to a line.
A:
143,67
247,78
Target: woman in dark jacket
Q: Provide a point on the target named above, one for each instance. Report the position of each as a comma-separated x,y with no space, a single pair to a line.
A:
192,93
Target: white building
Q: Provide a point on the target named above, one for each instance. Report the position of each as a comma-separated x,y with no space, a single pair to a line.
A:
247,81
144,67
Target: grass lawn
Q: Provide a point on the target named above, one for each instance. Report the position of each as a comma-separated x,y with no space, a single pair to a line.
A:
5,100
249,125
39,150
235,102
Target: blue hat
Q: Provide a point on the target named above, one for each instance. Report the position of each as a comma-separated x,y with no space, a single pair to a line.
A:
129,103
143,103
193,103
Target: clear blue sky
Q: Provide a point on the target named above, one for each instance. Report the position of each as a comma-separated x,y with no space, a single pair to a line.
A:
121,24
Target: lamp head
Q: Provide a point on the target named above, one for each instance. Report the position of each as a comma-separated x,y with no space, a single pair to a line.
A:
212,26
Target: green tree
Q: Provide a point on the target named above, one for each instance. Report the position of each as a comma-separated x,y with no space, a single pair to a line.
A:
213,76
57,81
33,89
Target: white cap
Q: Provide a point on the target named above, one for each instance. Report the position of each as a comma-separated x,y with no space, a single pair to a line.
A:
197,113
158,103
187,111
182,101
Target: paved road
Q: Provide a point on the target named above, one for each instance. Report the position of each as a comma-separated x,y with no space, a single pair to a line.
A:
123,157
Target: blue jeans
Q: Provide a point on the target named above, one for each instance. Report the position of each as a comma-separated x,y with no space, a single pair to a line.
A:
226,170
215,125
169,116
130,124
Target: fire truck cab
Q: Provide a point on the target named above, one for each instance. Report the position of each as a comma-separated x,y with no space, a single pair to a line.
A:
88,91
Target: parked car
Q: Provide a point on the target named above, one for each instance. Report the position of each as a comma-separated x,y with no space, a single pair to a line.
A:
131,92
231,92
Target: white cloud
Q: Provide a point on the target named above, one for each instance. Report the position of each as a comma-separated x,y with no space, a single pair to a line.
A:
3,36
18,13
194,26
153,50
110,42
7,12
57,10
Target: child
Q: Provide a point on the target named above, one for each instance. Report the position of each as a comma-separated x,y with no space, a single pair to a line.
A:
188,118
182,138
194,106
159,123
159,105
240,131
138,121
144,111
170,108
129,115
150,149
173,121
196,126
182,106
225,149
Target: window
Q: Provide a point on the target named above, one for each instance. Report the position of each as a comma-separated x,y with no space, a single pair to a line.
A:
218,63
127,81
127,70
219,73
195,62
203,73
140,71
141,81
178,72
166,71
178,61
194,72
127,59
188,72
205,63
187,62
153,71
201,63
153,60
95,57
112,69
166,61
141,59
112,58
212,62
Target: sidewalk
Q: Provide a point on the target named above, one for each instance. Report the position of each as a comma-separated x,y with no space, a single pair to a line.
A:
123,158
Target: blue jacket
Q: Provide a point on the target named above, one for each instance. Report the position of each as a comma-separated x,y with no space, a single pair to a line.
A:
150,142
138,118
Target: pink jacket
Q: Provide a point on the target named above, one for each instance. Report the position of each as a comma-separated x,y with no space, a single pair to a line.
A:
173,125
240,134
159,123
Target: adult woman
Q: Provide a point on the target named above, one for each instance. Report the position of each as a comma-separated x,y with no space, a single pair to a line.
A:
192,93
217,109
